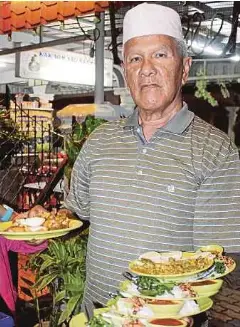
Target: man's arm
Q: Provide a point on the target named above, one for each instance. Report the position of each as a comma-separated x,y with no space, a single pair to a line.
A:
78,200
217,209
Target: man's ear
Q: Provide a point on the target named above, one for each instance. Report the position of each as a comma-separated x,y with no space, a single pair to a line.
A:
187,63
124,73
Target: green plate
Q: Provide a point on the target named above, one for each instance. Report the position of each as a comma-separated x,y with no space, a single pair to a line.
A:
204,305
201,290
228,271
79,320
212,275
173,277
27,236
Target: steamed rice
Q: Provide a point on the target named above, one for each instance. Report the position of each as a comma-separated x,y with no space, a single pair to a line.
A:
189,308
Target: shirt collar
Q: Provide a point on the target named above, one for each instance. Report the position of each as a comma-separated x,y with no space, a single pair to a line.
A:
177,124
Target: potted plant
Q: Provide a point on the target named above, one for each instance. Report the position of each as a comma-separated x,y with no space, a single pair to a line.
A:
61,268
80,133
11,139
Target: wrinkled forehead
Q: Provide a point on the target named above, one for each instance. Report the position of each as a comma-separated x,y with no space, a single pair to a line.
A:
150,43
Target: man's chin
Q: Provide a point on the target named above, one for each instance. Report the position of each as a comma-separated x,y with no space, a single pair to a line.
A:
146,106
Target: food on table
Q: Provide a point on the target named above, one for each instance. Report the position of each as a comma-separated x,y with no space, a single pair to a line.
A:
133,323
47,222
35,224
213,248
152,287
16,229
161,257
189,308
133,306
55,221
165,288
196,262
223,265
32,222
209,286
162,307
157,289
167,322
99,321
149,308
109,319
227,261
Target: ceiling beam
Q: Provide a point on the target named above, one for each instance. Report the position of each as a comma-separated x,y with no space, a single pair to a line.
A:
210,12
43,45
52,43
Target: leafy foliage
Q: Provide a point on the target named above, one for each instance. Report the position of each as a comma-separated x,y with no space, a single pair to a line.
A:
11,139
8,129
224,90
79,136
201,89
152,286
61,268
203,93
98,321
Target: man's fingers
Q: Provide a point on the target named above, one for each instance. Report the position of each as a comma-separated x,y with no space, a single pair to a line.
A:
35,242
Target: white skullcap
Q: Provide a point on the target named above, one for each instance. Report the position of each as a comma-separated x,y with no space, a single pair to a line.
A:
150,19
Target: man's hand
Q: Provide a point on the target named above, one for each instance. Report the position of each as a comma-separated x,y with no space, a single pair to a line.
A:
35,242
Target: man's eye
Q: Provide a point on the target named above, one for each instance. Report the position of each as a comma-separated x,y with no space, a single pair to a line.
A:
160,55
135,59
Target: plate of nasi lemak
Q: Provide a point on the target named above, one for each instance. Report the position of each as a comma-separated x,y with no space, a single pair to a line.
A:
164,289
207,262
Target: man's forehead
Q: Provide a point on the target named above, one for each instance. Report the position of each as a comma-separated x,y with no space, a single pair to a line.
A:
152,41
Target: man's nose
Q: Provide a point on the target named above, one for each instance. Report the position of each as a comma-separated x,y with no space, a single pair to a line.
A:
147,68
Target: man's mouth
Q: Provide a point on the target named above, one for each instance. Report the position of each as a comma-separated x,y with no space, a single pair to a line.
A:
149,86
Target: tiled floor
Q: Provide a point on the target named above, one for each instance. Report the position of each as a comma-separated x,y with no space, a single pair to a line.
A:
226,309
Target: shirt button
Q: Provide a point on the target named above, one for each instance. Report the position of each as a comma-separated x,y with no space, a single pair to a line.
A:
144,151
139,172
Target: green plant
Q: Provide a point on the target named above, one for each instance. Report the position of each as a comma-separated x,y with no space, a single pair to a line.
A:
202,91
224,90
11,139
61,268
8,129
79,135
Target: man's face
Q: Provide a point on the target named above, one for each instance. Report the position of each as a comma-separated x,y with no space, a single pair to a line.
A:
155,72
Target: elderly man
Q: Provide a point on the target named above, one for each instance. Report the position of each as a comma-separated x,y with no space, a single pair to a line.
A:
161,179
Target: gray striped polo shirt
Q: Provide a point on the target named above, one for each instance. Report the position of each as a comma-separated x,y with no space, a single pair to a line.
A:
179,191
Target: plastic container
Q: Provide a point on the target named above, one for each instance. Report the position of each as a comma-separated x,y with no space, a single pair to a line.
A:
6,321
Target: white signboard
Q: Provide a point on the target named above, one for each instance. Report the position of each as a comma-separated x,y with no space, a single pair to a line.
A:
61,66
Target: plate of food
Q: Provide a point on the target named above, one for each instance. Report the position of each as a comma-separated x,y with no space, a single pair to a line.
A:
223,265
171,265
154,288
148,309
111,320
39,228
